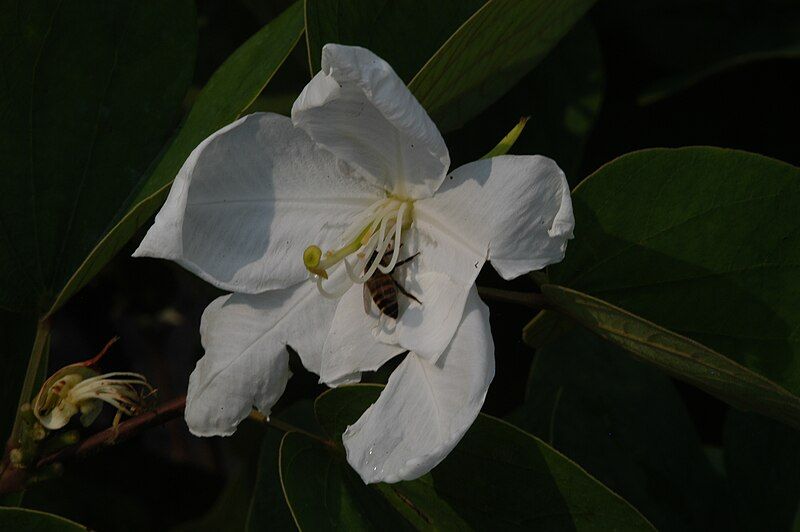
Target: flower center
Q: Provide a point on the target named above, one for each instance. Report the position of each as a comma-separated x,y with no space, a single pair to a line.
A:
374,233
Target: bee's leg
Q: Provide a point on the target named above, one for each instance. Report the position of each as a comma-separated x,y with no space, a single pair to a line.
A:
408,259
404,291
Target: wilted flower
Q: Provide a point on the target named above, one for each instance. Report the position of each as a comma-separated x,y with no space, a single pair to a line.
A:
354,183
79,389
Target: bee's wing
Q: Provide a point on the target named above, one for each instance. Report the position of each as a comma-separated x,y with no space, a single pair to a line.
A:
367,299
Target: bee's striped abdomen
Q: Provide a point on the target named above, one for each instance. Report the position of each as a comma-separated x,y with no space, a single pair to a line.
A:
384,294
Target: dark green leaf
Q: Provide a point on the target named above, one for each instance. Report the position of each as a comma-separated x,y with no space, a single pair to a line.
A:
562,97
545,327
406,33
703,241
497,474
413,502
763,468
626,424
336,409
677,355
93,89
683,41
416,502
20,519
300,414
489,54
268,509
324,493
231,90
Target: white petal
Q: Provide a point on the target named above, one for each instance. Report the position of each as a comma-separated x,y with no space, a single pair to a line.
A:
246,363
425,408
515,210
359,109
427,328
352,345
249,200
440,277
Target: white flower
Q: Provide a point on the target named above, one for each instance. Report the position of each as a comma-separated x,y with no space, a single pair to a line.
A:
359,171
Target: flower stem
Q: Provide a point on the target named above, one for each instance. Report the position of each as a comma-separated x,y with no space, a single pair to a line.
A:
34,372
526,299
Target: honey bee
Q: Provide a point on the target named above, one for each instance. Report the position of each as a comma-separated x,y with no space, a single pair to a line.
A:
382,288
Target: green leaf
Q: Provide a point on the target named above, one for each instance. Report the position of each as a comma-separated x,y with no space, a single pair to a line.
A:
231,90
499,470
324,493
336,409
489,54
497,473
20,519
268,509
763,468
679,356
416,501
94,89
702,241
713,37
98,87
545,327
627,425
253,497
405,33
562,97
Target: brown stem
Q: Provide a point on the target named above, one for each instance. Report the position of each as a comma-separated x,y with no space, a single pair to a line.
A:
124,431
14,479
526,299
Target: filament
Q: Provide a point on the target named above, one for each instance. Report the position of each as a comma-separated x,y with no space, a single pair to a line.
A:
368,236
338,292
398,226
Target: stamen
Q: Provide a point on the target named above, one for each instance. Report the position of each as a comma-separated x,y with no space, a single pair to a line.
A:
352,272
398,225
371,215
381,248
344,287
312,255
368,236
